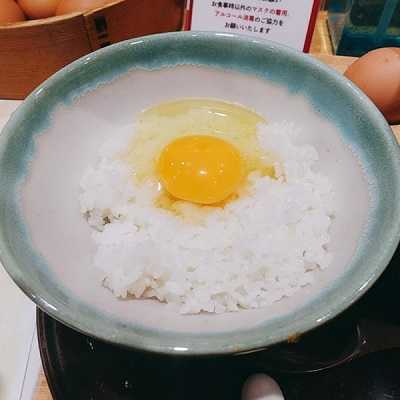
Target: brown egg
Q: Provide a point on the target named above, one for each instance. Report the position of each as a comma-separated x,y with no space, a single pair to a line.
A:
10,12
36,9
70,6
377,74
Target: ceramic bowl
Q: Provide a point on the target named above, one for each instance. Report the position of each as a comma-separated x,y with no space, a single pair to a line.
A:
55,134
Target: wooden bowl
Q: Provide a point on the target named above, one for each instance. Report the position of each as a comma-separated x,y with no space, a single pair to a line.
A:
31,51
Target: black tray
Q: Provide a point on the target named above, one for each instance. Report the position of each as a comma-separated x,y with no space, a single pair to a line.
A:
78,367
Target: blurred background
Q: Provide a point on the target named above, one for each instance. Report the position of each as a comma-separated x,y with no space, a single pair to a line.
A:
37,38
358,26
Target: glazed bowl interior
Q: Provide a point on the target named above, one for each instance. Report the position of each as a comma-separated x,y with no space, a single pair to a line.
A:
46,246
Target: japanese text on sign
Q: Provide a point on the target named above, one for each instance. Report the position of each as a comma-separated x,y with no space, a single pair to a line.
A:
284,21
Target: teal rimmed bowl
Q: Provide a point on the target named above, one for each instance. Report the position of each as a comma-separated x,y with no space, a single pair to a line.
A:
55,134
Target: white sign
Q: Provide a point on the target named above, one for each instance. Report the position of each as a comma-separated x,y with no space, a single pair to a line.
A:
290,22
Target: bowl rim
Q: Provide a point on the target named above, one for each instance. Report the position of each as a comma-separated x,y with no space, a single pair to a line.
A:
216,343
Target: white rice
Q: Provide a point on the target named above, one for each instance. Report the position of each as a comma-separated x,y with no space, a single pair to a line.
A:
260,248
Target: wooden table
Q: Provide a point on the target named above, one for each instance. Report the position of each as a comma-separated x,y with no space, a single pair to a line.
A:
320,48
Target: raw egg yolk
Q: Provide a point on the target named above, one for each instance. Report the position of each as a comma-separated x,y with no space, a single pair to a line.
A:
199,168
